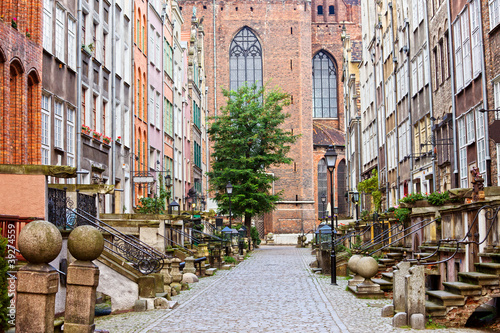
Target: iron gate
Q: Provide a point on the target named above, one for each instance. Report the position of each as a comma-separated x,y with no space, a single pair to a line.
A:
57,207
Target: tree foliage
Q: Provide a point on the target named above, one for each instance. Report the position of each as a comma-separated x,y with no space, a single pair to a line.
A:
248,138
156,204
370,186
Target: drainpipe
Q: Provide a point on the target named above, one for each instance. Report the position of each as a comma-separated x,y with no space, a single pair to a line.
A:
485,104
79,95
431,104
132,110
453,102
408,97
395,99
214,13
113,97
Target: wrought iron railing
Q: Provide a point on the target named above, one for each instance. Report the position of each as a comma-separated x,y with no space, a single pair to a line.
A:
191,239
57,202
172,242
490,215
140,255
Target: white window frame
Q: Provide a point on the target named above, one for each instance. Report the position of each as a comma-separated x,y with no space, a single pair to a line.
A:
58,124
157,110
466,49
60,18
496,95
457,43
70,132
151,105
475,37
72,42
469,121
481,143
462,143
494,6
47,25
46,127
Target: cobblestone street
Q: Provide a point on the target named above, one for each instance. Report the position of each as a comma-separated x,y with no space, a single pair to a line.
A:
272,291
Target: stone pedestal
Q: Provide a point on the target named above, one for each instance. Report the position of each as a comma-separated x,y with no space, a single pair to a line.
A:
203,250
175,272
167,278
37,285
189,266
159,283
85,243
147,287
82,281
415,292
399,286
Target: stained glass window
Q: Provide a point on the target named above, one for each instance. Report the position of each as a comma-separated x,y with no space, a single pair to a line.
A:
324,86
245,60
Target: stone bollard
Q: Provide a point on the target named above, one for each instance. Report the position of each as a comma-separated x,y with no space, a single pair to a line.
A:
367,267
175,272
399,286
85,243
37,283
203,250
352,263
189,265
415,294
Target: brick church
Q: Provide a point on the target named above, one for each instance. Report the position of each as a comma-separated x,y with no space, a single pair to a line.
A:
295,45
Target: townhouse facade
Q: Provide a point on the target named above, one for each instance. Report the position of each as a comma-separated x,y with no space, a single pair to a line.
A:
433,78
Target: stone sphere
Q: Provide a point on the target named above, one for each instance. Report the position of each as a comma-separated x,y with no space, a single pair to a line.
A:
367,267
353,261
85,243
189,278
40,242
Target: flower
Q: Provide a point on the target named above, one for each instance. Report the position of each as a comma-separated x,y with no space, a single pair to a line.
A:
14,19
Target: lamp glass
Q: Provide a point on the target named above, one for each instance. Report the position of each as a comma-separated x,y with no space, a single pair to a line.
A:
168,180
323,198
331,157
355,196
229,188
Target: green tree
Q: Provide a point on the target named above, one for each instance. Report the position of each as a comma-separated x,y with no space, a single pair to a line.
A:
248,138
370,186
156,204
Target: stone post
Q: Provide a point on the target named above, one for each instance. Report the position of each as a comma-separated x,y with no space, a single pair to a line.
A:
399,286
415,294
85,244
189,265
37,283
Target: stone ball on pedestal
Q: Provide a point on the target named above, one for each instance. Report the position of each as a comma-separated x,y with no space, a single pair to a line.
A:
353,262
85,243
40,242
367,267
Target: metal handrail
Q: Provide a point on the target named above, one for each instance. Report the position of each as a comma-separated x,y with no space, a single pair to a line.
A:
186,235
130,237
207,235
172,241
143,258
397,240
464,239
380,237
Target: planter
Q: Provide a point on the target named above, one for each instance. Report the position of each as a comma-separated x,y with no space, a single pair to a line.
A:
418,203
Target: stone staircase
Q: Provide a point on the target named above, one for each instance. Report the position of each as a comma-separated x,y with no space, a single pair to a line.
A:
473,289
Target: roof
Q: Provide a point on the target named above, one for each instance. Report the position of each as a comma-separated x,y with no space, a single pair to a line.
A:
325,135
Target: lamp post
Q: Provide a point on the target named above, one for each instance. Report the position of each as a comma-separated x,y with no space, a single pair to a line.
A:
331,160
229,191
355,199
323,200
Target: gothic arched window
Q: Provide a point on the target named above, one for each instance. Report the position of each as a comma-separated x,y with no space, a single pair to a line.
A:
245,60
322,189
324,86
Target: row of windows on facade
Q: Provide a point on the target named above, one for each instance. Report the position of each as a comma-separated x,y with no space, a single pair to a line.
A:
331,10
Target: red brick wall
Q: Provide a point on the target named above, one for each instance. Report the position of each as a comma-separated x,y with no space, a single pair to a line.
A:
21,68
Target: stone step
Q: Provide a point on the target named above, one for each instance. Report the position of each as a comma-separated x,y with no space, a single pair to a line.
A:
445,298
210,271
462,288
395,255
434,310
481,279
384,284
388,276
488,268
226,267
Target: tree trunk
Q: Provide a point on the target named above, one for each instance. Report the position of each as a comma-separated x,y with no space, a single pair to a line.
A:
248,223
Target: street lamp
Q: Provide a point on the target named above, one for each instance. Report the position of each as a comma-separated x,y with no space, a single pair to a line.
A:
229,191
323,200
173,205
355,199
331,160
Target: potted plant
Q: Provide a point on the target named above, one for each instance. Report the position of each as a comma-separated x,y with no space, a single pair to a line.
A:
118,139
14,23
106,139
96,135
85,129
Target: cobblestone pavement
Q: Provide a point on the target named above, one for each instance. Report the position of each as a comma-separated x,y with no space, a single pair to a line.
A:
272,291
